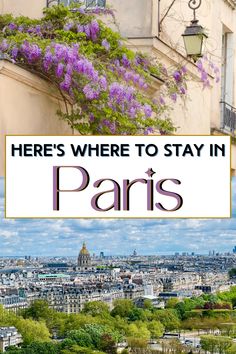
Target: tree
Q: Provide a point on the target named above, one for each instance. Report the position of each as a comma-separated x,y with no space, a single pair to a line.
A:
125,351
171,303
122,308
188,305
120,324
96,308
168,318
174,346
208,343
216,344
36,348
147,304
232,349
32,331
94,336
224,343
75,349
156,329
77,321
107,344
228,296
139,330
38,310
41,348
136,314
137,343
13,350
81,337
6,318
67,343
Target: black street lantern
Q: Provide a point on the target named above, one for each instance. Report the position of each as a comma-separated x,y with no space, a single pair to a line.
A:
194,35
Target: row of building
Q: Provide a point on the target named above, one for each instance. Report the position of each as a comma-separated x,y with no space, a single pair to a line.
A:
67,286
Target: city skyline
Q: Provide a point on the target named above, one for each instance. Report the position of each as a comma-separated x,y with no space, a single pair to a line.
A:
47,237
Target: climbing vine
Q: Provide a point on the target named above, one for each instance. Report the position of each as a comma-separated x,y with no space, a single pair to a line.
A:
104,84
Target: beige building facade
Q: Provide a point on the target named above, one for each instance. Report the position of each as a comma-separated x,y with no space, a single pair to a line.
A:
28,104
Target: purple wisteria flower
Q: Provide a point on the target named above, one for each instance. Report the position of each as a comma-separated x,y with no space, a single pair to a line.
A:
148,131
38,30
92,30
12,26
162,101
116,82
68,26
184,69
147,110
14,52
69,69
106,44
110,125
90,93
125,61
200,64
60,70
203,73
31,52
103,83
173,96
21,28
82,10
132,112
48,59
80,28
4,45
66,84
177,76
91,118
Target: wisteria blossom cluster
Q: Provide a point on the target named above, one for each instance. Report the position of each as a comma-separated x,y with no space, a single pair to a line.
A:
90,29
103,84
203,66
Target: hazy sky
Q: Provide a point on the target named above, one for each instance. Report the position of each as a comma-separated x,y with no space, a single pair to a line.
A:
64,237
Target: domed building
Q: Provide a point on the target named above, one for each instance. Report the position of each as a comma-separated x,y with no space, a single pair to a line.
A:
84,259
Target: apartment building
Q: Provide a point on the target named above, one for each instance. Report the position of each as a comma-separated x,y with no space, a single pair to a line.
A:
9,337
13,303
154,27
71,299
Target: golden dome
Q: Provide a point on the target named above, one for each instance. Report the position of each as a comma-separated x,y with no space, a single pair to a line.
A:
84,250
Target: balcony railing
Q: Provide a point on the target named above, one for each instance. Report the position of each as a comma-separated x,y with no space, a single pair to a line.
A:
228,118
85,3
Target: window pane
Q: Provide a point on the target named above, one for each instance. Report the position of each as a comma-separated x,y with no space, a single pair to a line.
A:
68,2
87,3
90,3
95,3
101,3
65,2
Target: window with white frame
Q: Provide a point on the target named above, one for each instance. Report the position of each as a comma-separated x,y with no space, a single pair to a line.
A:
228,111
227,79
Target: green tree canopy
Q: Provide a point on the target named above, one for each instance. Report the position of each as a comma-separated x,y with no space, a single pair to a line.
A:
96,308
122,308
